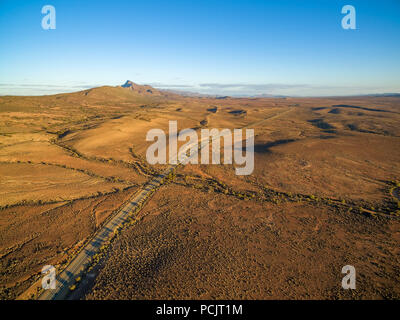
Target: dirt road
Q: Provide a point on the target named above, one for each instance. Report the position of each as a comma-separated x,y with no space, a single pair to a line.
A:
83,259
78,265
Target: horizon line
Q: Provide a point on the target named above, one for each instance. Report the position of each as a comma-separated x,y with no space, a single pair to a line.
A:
184,90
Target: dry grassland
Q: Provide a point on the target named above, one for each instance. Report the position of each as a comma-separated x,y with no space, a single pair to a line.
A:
322,195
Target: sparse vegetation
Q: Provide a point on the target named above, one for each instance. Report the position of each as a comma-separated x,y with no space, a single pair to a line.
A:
322,180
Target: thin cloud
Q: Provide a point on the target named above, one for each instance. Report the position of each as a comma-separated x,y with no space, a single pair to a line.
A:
39,89
252,87
166,85
13,85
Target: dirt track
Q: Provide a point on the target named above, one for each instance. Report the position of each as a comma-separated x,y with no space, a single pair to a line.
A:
79,264
76,268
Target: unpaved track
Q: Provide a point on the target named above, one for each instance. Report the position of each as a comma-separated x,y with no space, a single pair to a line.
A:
78,265
84,257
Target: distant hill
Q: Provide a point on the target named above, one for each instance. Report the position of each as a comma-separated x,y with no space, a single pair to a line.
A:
384,95
192,94
127,94
149,91
141,89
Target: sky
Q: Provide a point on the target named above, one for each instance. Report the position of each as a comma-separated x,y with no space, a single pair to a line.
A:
249,47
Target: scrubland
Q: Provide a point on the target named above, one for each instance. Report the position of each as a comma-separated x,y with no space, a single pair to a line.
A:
322,195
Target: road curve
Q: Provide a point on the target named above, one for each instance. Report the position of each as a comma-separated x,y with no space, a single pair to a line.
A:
79,264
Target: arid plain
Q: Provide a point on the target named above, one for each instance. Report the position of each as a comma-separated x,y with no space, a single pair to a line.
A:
323,194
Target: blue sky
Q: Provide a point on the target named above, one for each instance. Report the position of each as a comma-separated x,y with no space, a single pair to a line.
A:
226,47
